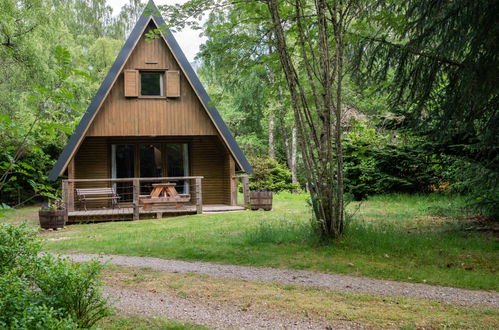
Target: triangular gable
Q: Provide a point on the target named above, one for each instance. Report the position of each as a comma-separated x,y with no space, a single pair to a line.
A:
153,15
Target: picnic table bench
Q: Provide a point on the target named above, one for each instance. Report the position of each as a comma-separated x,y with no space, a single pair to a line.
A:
164,193
89,194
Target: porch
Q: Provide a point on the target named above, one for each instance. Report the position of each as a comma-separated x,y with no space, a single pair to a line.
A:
130,206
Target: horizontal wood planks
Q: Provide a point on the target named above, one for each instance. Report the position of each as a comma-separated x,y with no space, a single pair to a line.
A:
208,157
121,116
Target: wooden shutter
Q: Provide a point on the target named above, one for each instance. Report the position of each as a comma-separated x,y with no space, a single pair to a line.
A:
131,83
172,84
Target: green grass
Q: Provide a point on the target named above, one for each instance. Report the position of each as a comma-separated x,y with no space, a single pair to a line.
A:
121,322
394,237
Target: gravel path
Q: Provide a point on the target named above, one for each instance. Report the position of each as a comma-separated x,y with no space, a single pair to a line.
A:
310,279
211,314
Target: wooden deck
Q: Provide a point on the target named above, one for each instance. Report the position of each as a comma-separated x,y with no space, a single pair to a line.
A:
126,213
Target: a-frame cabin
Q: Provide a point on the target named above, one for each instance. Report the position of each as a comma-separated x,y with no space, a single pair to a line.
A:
151,122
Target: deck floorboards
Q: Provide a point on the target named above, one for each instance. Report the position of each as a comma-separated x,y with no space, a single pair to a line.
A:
129,211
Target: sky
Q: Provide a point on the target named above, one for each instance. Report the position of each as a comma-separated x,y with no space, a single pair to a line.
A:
188,39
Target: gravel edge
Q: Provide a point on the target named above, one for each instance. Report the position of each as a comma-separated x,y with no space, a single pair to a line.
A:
333,282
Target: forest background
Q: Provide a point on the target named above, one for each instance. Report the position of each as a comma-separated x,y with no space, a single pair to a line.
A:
414,121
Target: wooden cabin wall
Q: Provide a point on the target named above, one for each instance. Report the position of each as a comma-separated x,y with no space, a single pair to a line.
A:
145,116
208,157
92,161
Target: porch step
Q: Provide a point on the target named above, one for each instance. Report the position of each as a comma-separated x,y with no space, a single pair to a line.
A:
222,208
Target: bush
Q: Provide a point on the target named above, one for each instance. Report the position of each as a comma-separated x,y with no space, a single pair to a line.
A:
375,165
479,181
18,246
38,292
271,175
21,307
72,288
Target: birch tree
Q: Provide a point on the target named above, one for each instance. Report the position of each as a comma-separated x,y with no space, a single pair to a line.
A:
309,38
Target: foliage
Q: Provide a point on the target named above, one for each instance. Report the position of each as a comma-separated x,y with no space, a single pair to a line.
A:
478,182
53,56
53,205
438,61
45,291
378,164
18,246
72,288
21,308
270,174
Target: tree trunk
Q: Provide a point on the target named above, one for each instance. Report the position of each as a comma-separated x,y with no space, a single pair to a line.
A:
271,135
315,88
292,157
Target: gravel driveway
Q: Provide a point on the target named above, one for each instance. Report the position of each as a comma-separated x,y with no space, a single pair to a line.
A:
213,315
310,279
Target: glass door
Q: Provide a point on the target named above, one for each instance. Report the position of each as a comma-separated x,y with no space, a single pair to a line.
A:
151,165
122,166
177,164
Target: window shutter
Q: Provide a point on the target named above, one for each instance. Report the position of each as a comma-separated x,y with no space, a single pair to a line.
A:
172,84
131,83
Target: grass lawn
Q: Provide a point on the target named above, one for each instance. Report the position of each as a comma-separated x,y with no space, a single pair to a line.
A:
398,237
136,322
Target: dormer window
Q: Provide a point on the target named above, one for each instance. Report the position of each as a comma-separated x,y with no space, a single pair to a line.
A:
151,84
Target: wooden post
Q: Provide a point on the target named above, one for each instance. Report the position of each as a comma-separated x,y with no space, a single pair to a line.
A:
65,197
246,191
233,190
70,203
233,181
136,192
199,197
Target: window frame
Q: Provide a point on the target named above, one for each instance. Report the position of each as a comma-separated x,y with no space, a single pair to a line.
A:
161,83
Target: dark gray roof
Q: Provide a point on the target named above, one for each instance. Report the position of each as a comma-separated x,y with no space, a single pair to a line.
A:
151,13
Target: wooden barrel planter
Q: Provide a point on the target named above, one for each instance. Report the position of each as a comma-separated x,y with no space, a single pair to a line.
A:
261,200
52,219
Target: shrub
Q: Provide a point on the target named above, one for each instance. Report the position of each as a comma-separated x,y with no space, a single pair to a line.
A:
374,165
479,181
45,292
18,246
73,288
270,174
21,307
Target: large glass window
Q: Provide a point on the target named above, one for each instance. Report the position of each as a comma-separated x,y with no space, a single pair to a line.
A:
151,84
177,164
122,157
153,160
150,161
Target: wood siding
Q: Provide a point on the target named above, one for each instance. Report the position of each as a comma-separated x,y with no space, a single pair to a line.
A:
145,116
208,157
92,161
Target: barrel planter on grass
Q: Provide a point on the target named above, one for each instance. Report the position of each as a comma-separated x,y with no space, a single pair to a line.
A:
52,215
261,200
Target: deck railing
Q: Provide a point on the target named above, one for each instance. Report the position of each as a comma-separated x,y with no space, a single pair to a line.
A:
234,189
68,190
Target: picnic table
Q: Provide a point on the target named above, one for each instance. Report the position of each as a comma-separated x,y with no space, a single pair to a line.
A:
164,193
